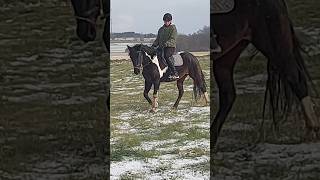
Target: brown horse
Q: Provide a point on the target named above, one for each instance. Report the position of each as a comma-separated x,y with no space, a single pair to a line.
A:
267,26
87,13
155,71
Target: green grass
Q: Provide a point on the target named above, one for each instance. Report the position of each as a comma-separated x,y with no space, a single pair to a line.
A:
38,131
304,13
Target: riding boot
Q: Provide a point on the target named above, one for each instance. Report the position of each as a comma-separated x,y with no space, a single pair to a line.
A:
160,56
174,73
215,47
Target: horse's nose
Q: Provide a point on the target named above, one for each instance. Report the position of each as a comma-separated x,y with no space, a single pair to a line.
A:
86,31
136,71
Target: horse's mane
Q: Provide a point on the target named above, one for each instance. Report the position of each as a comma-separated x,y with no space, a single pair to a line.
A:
149,50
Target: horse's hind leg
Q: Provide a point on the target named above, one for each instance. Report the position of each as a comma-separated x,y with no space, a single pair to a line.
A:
204,91
308,107
298,83
181,91
223,72
287,61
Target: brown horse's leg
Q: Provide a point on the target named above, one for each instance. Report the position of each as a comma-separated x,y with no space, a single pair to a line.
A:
285,55
298,83
308,107
147,87
223,72
156,86
181,91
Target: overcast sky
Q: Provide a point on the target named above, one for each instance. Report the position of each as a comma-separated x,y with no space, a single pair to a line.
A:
145,16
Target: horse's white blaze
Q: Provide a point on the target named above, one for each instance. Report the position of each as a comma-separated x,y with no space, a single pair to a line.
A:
156,62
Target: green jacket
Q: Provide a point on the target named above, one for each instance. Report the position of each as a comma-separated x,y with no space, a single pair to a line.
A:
167,37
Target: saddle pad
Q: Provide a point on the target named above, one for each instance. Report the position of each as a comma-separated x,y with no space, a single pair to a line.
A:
178,61
221,6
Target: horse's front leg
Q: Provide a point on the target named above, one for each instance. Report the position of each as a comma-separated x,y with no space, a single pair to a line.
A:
147,87
156,86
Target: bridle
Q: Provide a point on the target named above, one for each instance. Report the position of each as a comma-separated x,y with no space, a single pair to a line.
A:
139,64
86,15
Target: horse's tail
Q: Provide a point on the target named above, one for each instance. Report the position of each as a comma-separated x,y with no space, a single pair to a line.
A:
279,91
297,53
196,74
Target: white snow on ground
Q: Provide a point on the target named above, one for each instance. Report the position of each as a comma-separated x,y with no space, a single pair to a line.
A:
165,166
125,128
126,115
200,110
171,166
119,168
173,120
173,155
201,143
153,144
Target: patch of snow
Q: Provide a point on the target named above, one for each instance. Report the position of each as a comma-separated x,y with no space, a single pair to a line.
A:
199,143
200,110
149,145
119,168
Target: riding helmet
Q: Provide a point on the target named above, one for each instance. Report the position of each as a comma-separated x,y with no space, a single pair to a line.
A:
167,17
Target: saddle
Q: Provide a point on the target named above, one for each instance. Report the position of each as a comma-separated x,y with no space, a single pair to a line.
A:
177,59
221,6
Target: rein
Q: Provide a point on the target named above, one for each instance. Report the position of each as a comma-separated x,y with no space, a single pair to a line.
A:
140,66
86,19
85,16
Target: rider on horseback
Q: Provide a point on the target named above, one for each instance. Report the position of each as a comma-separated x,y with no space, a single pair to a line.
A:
166,42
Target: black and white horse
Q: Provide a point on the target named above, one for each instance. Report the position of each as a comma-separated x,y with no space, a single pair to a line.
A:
155,71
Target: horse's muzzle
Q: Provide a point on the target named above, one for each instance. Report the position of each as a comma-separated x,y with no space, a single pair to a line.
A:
86,31
136,71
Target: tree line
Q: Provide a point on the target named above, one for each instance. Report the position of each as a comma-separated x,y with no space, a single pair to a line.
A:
198,41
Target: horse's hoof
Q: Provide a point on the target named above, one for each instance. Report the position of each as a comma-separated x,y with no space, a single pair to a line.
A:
153,110
174,108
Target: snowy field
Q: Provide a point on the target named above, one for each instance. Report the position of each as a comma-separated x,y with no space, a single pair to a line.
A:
169,144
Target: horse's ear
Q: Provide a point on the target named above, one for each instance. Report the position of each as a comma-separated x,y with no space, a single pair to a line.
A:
142,47
129,48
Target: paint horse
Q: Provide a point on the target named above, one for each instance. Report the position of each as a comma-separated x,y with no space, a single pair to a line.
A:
154,71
